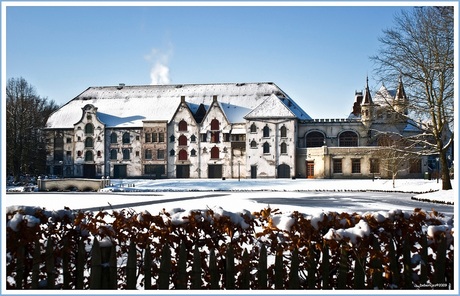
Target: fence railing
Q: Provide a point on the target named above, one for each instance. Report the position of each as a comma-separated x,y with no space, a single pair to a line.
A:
240,259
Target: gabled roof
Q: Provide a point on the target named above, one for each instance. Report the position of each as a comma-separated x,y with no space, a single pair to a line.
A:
128,106
272,107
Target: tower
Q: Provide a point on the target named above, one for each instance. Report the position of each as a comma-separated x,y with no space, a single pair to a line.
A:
400,102
367,106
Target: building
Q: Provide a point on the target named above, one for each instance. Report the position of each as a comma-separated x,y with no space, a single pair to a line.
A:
244,130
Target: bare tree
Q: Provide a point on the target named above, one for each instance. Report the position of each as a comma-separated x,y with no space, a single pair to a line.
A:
420,48
26,115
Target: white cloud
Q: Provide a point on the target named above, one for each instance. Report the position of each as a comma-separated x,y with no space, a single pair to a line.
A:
159,72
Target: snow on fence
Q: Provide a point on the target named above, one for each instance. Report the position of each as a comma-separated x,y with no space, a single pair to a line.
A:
216,249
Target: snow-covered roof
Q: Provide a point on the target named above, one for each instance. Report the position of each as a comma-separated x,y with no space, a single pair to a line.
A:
128,106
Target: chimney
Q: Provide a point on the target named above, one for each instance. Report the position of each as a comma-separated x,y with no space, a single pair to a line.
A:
182,99
120,86
214,98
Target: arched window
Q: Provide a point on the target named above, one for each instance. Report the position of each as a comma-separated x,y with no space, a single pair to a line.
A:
182,125
266,132
193,138
99,153
126,154
266,147
215,125
193,152
126,138
348,139
283,131
253,128
89,156
79,153
172,139
283,148
89,128
89,142
183,154
172,152
215,153
182,140
314,139
253,144
113,154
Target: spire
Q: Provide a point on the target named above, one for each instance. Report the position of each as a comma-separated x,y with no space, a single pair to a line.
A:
367,94
400,93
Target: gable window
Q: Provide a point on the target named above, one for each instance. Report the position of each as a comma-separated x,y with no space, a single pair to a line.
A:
183,126
266,132
215,125
148,154
283,131
89,142
182,140
337,166
215,137
126,138
253,144
266,148
183,154
253,128
89,128
356,166
193,152
89,156
314,139
113,138
126,154
160,154
193,138
215,152
283,148
348,139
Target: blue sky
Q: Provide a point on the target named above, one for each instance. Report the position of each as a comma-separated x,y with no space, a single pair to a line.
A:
318,55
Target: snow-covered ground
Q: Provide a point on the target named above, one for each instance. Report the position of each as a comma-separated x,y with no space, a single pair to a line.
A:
302,195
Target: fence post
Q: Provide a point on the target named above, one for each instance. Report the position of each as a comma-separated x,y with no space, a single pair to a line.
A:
20,265
131,267
424,256
311,261
50,283
294,282
80,265
147,269
440,265
196,269
229,269
96,266
262,270
343,269
394,264
36,264
279,270
376,266
213,272
245,273
325,266
165,268
359,271
181,282
66,263
407,273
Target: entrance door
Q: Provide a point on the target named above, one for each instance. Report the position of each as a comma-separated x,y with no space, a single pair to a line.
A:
214,171
182,171
310,169
284,171
89,170
253,171
119,171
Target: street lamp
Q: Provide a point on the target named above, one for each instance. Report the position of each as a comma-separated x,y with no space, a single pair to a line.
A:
239,175
437,168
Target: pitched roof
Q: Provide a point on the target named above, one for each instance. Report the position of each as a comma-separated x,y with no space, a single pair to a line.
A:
272,107
128,106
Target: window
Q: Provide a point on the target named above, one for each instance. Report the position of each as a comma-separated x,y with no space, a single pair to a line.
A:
89,142
215,137
204,137
215,125
283,131
79,153
193,152
137,153
172,152
193,139
314,139
160,154
415,166
253,144
68,140
183,154
182,140
148,154
89,156
266,132
161,137
148,137
182,126
68,153
154,137
89,128
137,138
348,139
126,138
172,139
266,147
126,154
283,148
226,137
375,166
337,166
156,170
113,138
113,154
356,166
215,153
253,128
99,153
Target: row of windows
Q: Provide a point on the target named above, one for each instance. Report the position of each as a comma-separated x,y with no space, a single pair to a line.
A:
356,166
266,147
317,139
266,131
154,138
